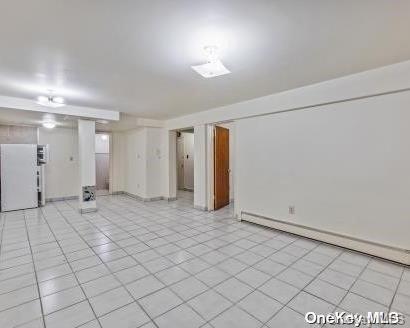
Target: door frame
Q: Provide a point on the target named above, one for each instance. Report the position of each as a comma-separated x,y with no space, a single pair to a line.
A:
210,166
209,163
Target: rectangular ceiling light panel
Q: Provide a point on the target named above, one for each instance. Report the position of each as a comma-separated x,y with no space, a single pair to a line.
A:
211,69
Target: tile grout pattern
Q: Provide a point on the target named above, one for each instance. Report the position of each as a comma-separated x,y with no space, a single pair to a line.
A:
166,264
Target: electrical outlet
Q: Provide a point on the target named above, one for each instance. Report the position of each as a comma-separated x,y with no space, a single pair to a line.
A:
291,209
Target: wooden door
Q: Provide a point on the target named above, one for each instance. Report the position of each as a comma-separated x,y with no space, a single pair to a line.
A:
221,167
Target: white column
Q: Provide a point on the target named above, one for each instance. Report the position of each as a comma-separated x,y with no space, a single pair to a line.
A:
86,151
200,165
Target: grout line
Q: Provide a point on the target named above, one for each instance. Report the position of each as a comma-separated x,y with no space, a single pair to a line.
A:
35,272
358,277
72,271
115,277
396,291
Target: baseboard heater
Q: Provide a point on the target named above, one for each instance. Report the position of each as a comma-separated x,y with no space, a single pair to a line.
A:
388,252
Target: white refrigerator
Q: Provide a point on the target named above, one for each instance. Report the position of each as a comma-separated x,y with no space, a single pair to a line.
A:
19,188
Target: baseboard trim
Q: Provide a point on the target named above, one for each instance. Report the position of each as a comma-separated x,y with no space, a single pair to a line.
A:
147,199
133,196
87,210
59,199
117,193
388,252
201,208
153,199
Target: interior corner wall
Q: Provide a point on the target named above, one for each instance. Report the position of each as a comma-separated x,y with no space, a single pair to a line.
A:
138,162
168,168
135,162
343,167
62,170
118,161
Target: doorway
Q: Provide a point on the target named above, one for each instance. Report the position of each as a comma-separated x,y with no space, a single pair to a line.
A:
185,164
102,163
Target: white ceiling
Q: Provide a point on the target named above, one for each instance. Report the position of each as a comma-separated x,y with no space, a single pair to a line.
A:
135,56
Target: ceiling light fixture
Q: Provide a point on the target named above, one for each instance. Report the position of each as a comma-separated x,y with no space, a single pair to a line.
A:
50,101
213,67
104,137
49,124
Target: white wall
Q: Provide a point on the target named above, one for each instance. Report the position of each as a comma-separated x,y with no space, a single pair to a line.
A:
118,161
138,164
102,146
168,166
345,168
61,173
135,162
356,183
154,152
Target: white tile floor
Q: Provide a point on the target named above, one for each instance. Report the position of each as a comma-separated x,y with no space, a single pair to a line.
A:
167,265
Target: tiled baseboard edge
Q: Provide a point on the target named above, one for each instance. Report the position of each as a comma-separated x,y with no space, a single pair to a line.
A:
148,199
87,210
59,199
201,208
152,199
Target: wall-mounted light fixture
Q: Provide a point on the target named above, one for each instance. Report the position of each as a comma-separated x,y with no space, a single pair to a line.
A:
49,124
51,100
